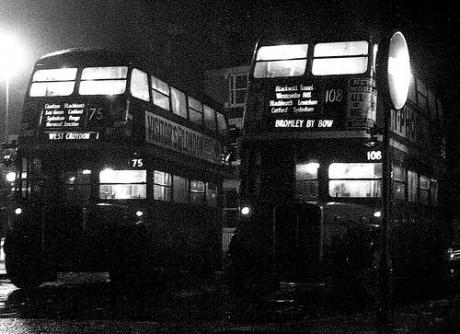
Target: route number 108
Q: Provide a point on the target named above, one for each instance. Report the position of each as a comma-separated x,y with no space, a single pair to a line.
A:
333,95
374,155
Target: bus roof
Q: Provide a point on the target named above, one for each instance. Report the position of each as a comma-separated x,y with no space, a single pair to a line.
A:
92,54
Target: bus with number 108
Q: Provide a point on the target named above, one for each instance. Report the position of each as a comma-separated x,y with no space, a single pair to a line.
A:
311,172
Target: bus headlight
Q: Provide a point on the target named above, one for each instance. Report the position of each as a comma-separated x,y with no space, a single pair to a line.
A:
11,176
139,213
245,210
18,211
377,214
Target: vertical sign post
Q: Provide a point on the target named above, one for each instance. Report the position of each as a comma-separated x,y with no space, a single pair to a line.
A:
394,64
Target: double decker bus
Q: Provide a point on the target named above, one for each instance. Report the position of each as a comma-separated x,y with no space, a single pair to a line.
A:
117,171
311,172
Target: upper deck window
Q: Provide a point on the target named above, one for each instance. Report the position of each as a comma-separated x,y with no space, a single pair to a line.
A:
209,117
53,82
160,93
139,85
103,80
340,58
221,123
281,61
179,104
195,110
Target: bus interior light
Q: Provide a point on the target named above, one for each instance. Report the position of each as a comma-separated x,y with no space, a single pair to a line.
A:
86,171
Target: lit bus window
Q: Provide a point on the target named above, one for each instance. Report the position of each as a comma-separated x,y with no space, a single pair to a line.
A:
51,89
424,190
103,80
99,73
338,66
281,61
221,123
209,117
195,110
282,52
57,74
280,68
340,58
306,176
53,82
179,106
122,184
340,49
412,186
139,85
355,180
211,194
160,93
161,186
180,189
197,193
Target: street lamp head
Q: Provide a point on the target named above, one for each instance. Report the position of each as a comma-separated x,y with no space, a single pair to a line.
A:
399,72
11,55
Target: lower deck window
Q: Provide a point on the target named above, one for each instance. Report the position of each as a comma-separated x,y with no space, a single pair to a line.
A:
306,177
77,185
211,194
358,180
180,185
412,186
197,193
122,184
161,186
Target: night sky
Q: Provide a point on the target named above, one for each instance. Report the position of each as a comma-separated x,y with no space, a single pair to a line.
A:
187,37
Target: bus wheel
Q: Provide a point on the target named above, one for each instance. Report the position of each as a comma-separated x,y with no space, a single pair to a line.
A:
24,267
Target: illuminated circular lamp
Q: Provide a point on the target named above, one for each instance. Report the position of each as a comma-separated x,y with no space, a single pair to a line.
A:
10,177
399,73
245,210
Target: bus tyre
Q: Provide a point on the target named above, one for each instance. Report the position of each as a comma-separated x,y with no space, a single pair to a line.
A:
24,267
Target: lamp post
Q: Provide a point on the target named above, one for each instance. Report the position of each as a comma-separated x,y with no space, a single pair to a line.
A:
393,83
11,59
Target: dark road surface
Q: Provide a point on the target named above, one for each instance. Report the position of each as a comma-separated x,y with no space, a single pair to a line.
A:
81,303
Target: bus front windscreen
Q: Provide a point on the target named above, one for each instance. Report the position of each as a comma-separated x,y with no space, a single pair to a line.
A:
281,61
109,80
